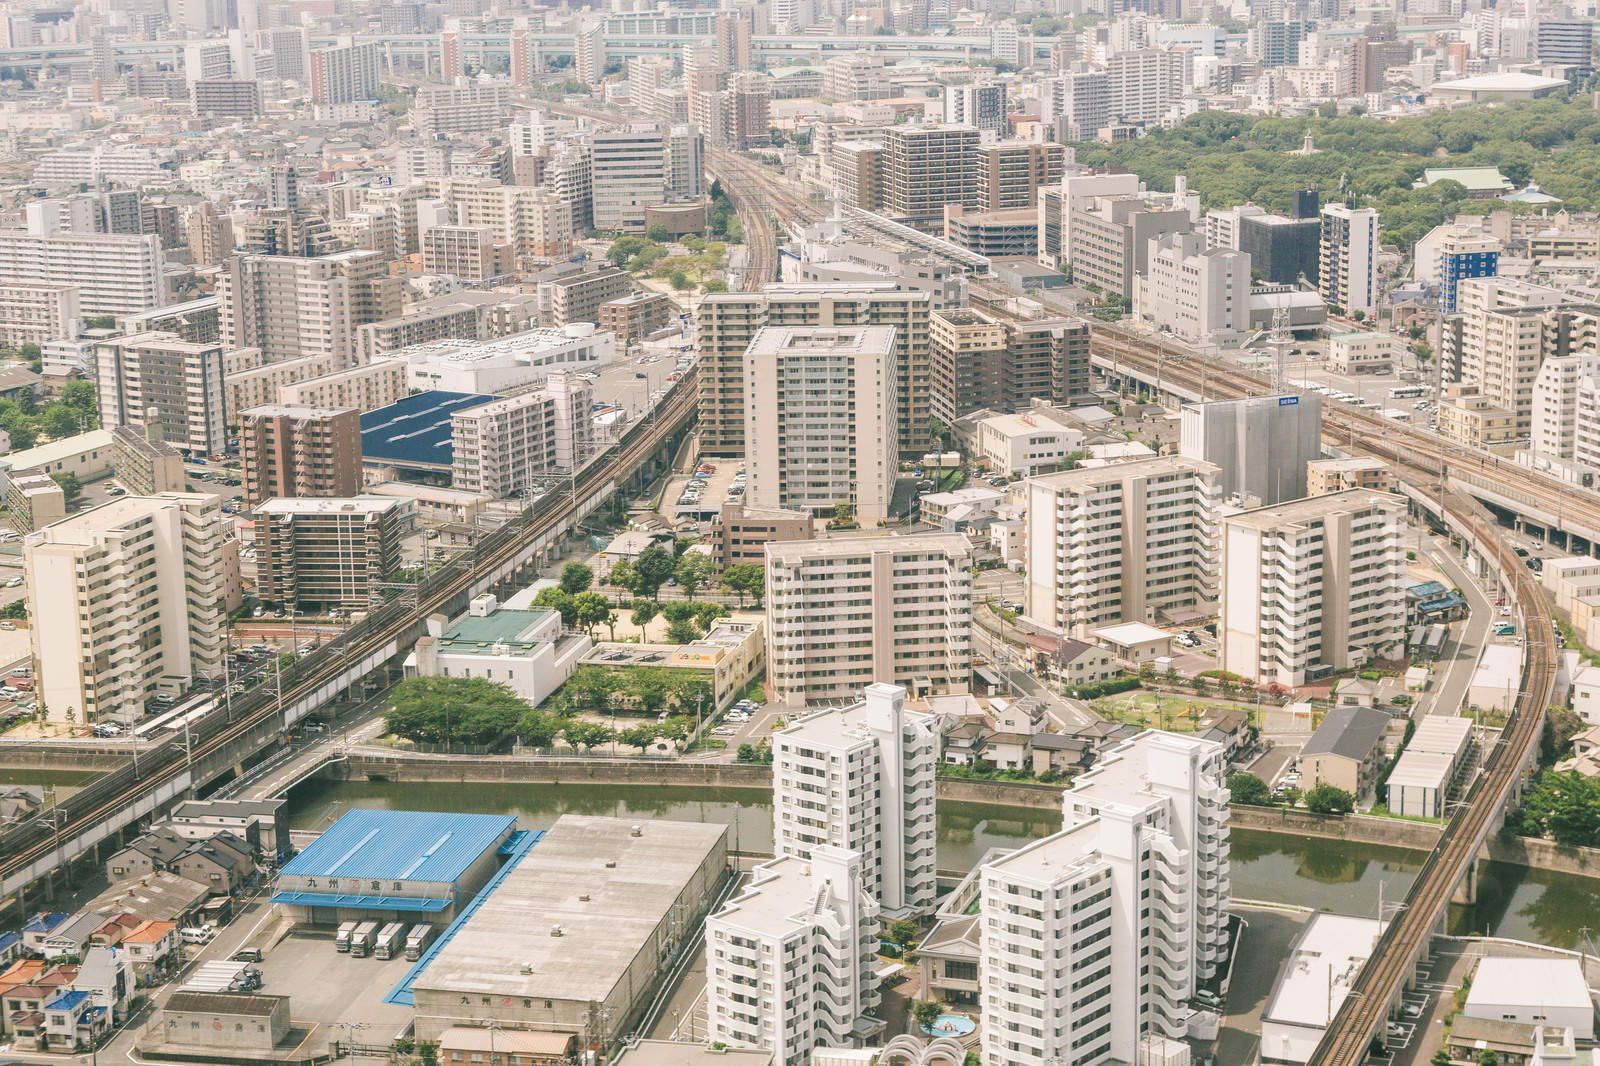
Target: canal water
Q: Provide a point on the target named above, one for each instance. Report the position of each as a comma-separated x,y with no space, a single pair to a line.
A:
1514,901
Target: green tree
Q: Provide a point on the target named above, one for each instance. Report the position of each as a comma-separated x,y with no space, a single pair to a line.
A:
623,575
714,285
1249,789
683,631
926,1012
644,612
678,610
576,578
588,735
71,487
60,421
652,568
679,280
589,610
903,931
639,736
1564,807
747,579
1488,1058
659,233
1292,797
706,613
559,599
1330,799
444,710
610,622
843,512
694,571
538,729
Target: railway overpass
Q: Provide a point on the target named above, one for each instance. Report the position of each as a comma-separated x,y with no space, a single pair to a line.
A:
223,742
1441,482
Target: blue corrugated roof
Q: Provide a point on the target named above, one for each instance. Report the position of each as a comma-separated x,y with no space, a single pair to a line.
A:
415,431
379,903
401,845
44,921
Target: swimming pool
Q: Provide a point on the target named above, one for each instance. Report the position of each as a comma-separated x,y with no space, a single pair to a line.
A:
950,1025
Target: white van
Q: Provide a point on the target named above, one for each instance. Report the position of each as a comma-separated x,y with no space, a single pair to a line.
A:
195,935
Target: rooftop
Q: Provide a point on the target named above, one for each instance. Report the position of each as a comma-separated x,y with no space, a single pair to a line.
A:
59,450
1313,509
400,845
295,410
366,505
133,437
1132,633
1088,478
416,430
481,632
794,551
1550,983
676,1053
224,1003
1349,732
606,890
1317,976
1476,179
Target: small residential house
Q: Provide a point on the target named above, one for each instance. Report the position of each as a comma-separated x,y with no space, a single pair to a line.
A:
1346,751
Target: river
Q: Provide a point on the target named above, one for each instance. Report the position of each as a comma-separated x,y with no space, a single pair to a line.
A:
1514,901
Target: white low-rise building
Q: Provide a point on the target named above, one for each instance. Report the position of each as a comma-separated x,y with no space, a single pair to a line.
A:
1313,985
789,962
497,367
523,649
1367,352
1548,992
1498,679
1419,784
1026,444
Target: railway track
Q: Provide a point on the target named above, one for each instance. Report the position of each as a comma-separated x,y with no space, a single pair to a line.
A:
1422,461
27,843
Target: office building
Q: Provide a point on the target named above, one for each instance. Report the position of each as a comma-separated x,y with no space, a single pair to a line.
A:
1364,352
1200,294
1324,476
292,307
1011,173
522,649
1348,265
113,273
36,312
346,73
927,167
1111,238
1093,940
726,323
514,445
328,553
158,379
980,106
291,450
843,614
1129,542
1312,586
146,576
1564,42
819,419
579,932
813,922
629,168
576,296
1260,445
876,762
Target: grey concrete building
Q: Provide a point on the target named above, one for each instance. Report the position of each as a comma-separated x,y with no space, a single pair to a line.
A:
1260,444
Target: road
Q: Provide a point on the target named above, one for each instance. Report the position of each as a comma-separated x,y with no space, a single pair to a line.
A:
1467,638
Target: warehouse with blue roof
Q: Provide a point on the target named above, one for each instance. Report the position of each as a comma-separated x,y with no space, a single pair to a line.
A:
414,435
394,866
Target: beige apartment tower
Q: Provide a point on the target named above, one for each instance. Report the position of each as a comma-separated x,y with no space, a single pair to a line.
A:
819,419
127,603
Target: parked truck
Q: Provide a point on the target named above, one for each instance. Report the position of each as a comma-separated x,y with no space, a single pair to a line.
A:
361,939
341,940
418,939
390,941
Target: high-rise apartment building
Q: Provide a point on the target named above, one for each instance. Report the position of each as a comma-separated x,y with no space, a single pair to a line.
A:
1146,84
980,106
1556,408
513,444
842,614
293,450
126,601
819,419
927,167
686,165
1130,542
1011,173
790,959
589,53
1313,583
292,307
35,312
1097,936
366,387
1349,261
534,221
747,111
328,553
1463,255
861,777
210,235
576,295
114,274
1502,349
629,168
968,354
160,379
467,252
346,73
726,323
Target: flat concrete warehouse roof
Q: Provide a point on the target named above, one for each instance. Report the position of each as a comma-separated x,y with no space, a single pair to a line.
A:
606,890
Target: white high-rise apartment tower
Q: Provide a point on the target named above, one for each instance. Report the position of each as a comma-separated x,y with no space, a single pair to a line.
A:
1349,259
862,778
1096,936
790,959
126,601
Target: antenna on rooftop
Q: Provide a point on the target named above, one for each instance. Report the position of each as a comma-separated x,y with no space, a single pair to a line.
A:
1279,338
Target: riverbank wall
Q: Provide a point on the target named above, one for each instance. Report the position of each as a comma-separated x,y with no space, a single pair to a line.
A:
1357,829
